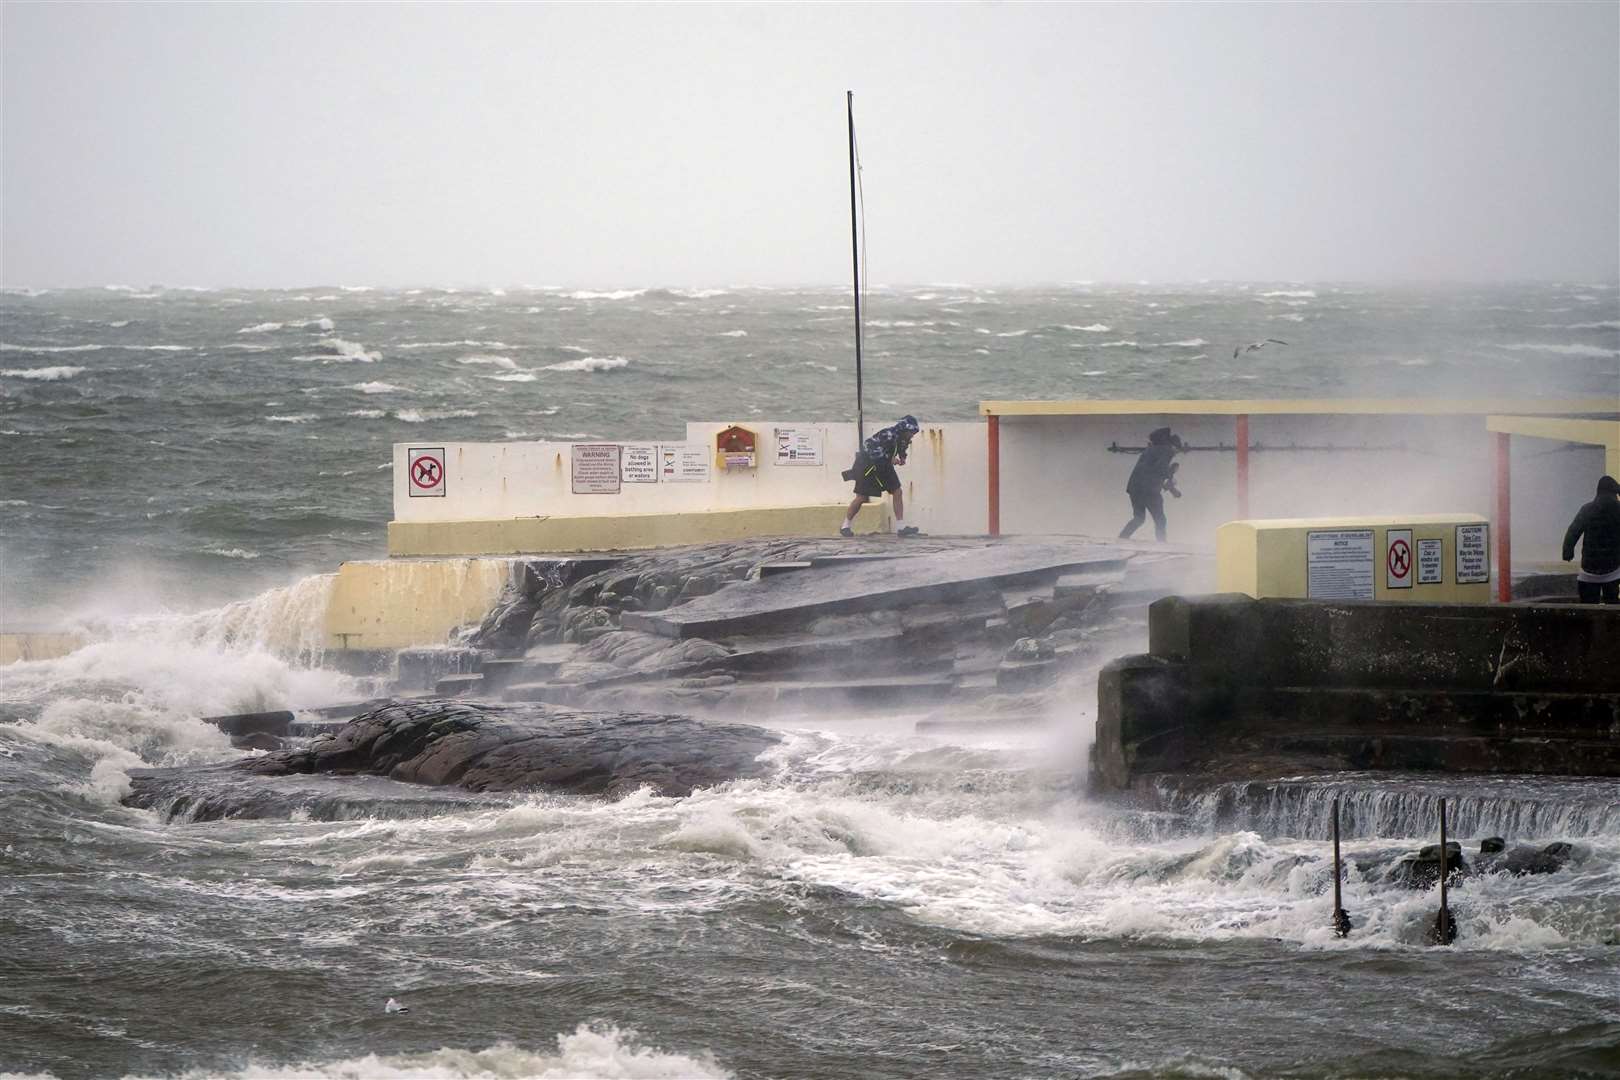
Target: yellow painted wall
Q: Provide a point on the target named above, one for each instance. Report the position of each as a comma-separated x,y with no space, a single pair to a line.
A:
622,532
399,603
36,646
1269,558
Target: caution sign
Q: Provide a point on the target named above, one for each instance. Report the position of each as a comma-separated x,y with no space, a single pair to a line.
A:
424,472
1431,562
1339,564
1473,554
1398,559
595,468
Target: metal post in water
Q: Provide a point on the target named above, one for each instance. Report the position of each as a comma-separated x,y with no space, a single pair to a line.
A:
1341,918
1445,931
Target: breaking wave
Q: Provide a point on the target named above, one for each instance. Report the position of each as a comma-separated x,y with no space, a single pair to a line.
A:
1562,350
44,374
590,363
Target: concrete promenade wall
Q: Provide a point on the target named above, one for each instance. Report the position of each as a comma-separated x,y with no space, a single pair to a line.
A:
491,489
1058,475
1234,687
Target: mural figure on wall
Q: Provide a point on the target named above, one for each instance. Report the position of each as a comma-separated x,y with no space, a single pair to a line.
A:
1153,475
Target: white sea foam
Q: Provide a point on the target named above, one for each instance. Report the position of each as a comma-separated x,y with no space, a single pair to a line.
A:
465,343
1012,333
698,294
1289,317
294,418
732,333
505,362
366,414
1190,343
6,346
1115,345
1094,328
1605,324
821,367
615,294
1562,350
588,1053
514,376
1094,373
343,352
231,553
270,327
1296,294
43,374
376,388
590,363
261,328
410,416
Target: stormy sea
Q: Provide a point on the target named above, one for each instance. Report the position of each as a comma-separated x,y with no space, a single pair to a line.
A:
184,468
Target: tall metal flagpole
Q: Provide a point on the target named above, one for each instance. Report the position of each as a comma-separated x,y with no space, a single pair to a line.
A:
855,246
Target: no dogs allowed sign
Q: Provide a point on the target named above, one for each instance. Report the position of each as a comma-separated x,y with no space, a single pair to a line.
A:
1398,559
424,471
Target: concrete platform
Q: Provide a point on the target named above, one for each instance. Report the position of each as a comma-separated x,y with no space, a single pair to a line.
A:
869,585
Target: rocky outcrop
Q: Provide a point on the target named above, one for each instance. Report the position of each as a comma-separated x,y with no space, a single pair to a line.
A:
497,748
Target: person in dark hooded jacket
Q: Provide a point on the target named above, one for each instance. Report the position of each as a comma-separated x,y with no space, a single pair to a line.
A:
1599,522
1152,477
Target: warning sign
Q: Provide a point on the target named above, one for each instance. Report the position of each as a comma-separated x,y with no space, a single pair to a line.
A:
1339,564
424,472
1398,559
1473,554
595,468
798,446
684,463
1431,562
639,463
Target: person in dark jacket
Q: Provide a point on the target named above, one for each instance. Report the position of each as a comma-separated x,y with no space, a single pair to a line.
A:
1599,522
874,474
1153,476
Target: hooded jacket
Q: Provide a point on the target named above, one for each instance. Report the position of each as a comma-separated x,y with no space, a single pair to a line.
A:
1599,522
1153,467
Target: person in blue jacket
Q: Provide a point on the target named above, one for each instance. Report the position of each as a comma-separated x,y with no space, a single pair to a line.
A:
874,474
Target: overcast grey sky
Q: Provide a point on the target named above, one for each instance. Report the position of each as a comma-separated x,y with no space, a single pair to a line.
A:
283,144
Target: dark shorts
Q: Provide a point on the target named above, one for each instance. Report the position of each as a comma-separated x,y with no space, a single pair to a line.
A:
875,477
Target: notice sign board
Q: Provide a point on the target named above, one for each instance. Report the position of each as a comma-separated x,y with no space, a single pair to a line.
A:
1398,559
1339,564
684,463
595,468
798,446
424,472
1473,554
1431,562
638,463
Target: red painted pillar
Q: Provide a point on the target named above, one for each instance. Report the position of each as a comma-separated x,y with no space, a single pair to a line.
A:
993,433
1504,517
1243,465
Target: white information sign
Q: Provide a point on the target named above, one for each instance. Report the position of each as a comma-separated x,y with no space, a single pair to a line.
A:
684,463
638,463
424,472
799,446
1431,562
595,468
1398,559
1339,564
1473,554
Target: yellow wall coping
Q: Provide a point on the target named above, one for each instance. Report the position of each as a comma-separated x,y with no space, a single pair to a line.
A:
1304,406
1593,432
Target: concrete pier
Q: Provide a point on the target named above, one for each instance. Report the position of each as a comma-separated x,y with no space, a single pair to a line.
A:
1235,687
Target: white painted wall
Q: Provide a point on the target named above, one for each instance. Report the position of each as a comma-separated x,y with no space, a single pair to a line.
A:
945,478
1058,476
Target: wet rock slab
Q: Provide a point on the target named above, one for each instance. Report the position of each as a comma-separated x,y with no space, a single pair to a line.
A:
499,748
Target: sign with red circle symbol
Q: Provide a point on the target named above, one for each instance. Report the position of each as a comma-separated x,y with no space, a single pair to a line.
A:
1398,560
425,472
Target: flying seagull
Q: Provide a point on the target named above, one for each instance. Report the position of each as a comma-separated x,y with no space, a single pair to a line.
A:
1241,349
